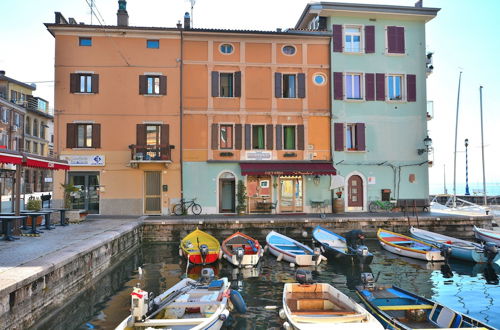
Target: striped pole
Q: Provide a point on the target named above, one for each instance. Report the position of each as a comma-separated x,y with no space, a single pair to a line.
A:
467,193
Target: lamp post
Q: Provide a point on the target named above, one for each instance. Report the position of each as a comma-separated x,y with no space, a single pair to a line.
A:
467,193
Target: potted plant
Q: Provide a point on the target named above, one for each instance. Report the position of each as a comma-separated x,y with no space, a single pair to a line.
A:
69,191
241,197
339,193
34,204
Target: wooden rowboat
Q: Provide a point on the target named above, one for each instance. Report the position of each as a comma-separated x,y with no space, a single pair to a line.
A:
459,248
200,248
396,308
408,246
288,249
487,235
241,250
321,306
335,246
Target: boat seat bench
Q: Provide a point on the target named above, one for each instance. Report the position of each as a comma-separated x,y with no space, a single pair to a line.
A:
404,307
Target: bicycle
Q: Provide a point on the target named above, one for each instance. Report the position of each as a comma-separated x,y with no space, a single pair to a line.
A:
183,207
376,206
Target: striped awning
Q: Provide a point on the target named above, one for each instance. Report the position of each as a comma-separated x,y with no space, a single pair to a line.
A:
304,168
30,160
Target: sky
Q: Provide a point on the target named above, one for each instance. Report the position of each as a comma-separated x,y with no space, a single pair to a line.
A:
463,37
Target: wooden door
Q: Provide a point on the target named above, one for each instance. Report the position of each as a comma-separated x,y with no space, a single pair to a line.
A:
227,196
291,194
355,191
152,192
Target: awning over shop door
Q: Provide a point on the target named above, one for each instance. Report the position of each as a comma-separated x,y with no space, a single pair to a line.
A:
304,168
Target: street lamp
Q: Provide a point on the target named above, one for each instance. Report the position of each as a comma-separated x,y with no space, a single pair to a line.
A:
467,193
427,144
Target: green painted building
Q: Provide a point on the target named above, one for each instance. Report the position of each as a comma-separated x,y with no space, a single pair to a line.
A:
379,67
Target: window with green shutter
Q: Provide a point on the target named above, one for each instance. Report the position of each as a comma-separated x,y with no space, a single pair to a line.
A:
289,138
258,138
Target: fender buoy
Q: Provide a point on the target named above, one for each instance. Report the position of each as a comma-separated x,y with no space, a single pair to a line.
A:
238,302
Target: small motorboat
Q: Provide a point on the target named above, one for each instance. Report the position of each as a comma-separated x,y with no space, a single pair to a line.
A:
200,248
288,249
335,246
487,235
308,305
241,250
408,246
396,308
458,248
189,304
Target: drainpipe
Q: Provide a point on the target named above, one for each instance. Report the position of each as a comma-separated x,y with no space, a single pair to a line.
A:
330,112
181,105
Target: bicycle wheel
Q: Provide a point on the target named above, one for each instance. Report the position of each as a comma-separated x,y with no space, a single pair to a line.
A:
196,208
373,207
178,209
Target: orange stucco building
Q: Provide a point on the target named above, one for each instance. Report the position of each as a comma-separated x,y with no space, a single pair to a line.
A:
146,116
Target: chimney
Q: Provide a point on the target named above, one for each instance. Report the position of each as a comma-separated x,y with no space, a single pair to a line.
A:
187,21
2,73
419,4
122,15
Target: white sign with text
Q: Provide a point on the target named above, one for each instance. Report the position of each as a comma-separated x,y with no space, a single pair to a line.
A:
85,160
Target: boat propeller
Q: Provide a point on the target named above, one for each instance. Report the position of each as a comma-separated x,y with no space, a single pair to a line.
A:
303,276
490,251
240,253
203,252
445,251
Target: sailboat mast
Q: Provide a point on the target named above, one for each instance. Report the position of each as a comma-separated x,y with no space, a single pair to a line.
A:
482,143
444,180
455,153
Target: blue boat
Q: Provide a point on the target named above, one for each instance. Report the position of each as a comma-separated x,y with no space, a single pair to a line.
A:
396,308
458,248
335,246
292,251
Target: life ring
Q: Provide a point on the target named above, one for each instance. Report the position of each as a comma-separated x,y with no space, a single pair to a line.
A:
238,302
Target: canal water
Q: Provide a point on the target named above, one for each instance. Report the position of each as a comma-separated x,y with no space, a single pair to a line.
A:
469,288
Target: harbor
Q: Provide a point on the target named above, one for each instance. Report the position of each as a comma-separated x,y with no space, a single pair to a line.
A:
68,261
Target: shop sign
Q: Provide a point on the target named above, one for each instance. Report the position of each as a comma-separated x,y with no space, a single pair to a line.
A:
372,180
85,160
259,155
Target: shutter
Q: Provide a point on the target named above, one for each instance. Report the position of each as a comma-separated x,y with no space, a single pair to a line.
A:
96,135
237,84
248,137
369,39
338,86
337,38
165,141
269,137
163,85
215,136
401,40
278,91
391,39
95,83
411,87
74,82
215,84
143,85
70,135
380,86
301,82
360,136
279,137
300,137
370,86
338,129
238,138
140,138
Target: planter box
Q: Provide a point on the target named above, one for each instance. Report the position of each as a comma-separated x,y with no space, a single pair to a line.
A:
38,220
76,216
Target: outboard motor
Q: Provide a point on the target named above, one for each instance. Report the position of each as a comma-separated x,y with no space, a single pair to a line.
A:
140,304
303,276
368,280
240,253
445,251
204,252
362,250
316,254
207,275
490,251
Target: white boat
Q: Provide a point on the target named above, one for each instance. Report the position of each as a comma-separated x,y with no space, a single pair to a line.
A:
487,235
408,246
292,251
189,304
459,248
241,250
321,306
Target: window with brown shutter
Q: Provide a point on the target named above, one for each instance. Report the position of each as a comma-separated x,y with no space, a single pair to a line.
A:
215,84
360,137
163,85
411,87
140,138
380,86
279,137
338,130
152,85
237,84
165,142
337,38
85,135
369,39
70,135
143,85
301,82
395,39
248,137
269,137
300,137
96,136
338,86
84,83
370,86
238,138
215,136
277,85
95,83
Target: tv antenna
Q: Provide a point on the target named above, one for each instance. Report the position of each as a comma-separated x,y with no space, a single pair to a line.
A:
193,2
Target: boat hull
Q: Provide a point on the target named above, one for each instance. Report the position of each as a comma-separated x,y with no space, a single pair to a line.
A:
292,251
251,247
407,246
191,246
487,235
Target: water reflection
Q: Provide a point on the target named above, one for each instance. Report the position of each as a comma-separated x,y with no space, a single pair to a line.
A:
473,289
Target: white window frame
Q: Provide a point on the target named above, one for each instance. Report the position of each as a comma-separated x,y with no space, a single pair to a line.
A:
85,135
283,137
232,135
352,128
296,89
402,87
361,86
85,83
361,38
314,75
220,84
294,48
155,84
226,43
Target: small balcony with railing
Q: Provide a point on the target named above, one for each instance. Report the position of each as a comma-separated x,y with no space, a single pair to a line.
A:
156,154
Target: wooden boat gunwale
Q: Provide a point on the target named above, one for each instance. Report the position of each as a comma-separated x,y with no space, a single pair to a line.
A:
404,247
486,233
229,255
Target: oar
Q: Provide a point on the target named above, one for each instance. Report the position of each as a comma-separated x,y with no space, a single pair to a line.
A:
170,298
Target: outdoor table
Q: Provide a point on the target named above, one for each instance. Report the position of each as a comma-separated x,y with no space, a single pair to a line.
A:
33,215
6,226
48,224
62,221
319,206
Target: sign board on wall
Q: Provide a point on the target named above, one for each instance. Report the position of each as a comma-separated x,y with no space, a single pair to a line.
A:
85,160
259,155
372,180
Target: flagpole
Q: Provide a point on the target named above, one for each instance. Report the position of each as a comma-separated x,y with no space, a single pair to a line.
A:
482,143
455,153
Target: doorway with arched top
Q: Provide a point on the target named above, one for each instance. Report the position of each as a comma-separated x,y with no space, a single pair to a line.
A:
227,193
355,193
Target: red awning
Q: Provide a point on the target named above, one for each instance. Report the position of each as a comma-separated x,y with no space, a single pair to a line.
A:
287,169
10,158
17,158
